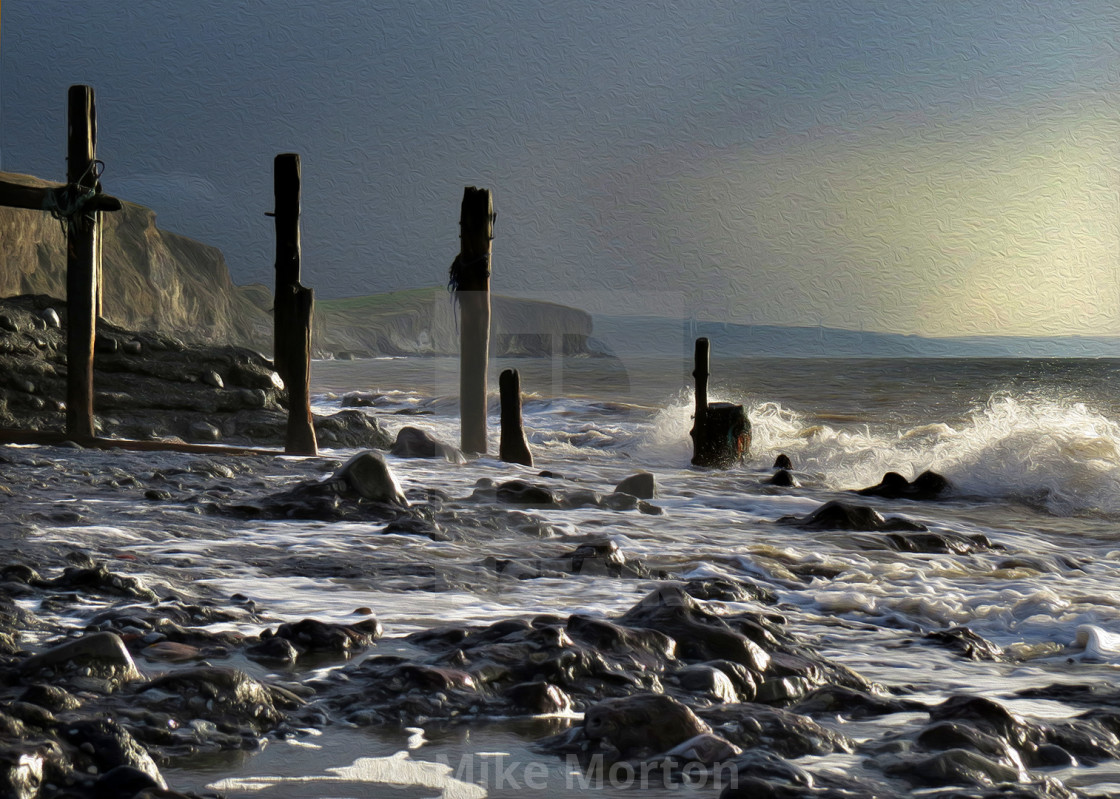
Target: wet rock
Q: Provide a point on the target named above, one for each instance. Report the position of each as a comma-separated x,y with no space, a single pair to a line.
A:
22,768
706,681
204,431
835,515
97,658
967,643
110,746
97,579
225,696
783,478
352,430
951,767
125,781
51,697
311,636
642,725
368,475
781,732
850,703
728,590
939,543
412,442
700,634
926,486
539,698
518,492
641,485
783,462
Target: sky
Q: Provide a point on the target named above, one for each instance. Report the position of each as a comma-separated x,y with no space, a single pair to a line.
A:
907,166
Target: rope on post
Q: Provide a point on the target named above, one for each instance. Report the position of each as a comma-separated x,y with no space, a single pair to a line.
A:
67,203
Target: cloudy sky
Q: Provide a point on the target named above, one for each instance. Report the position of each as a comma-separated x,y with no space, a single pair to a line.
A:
911,166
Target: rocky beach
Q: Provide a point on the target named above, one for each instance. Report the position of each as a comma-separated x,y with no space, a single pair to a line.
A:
400,590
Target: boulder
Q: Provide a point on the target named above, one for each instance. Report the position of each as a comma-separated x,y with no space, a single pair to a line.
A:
836,515
641,485
368,475
643,724
926,486
412,442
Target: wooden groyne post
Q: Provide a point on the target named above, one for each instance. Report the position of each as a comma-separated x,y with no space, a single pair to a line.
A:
292,310
513,448
470,280
721,431
83,260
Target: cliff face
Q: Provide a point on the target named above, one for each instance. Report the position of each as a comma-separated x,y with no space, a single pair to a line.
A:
162,282
151,279
425,322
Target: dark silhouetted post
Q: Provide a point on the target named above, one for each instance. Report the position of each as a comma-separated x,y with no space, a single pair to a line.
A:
82,268
292,309
513,447
721,432
470,279
300,439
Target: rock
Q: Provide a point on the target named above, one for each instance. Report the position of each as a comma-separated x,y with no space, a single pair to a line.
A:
353,430
412,442
727,590
700,634
926,486
99,655
50,316
225,696
941,543
968,643
782,478
641,485
204,431
642,725
783,462
110,746
518,492
369,476
539,697
705,748
835,515
781,732
212,378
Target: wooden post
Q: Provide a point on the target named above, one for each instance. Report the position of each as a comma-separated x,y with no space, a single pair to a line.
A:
82,267
292,309
721,434
300,439
286,190
700,373
470,277
513,447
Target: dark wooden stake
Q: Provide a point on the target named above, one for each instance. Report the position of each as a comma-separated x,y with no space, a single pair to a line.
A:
513,447
82,267
721,432
292,309
471,275
286,190
301,430
700,373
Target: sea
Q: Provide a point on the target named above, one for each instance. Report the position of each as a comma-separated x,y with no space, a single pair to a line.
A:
1031,448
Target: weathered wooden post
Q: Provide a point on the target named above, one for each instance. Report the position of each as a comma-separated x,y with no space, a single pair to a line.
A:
513,447
292,309
82,261
721,432
470,280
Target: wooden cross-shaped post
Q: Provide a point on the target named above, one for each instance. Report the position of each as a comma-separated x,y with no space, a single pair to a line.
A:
79,205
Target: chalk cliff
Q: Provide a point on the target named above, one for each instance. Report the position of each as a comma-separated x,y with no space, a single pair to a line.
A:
159,281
